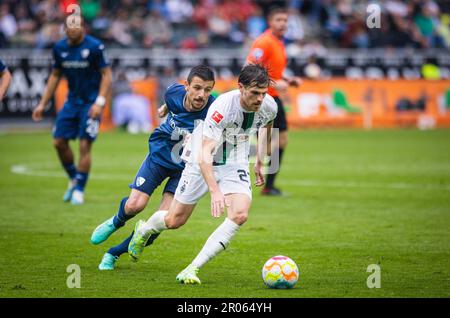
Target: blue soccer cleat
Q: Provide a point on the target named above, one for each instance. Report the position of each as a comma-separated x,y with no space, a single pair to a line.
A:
70,188
103,231
108,262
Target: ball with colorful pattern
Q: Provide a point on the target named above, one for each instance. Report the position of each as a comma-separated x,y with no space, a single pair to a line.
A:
280,272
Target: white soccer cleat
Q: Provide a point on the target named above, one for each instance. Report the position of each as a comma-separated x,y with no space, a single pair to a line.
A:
77,197
189,275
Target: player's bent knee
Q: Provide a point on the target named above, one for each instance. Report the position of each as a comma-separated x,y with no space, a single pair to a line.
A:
239,218
60,144
174,222
134,206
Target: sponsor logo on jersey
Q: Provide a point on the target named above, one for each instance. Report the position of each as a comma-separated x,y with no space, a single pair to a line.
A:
140,181
75,64
217,117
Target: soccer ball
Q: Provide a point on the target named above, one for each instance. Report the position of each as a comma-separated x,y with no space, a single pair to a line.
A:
280,272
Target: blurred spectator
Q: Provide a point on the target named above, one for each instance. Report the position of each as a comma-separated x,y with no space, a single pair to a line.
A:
158,32
227,23
8,24
120,28
90,9
256,24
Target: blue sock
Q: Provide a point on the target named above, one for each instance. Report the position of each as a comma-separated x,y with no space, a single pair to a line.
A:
82,178
123,247
121,217
71,170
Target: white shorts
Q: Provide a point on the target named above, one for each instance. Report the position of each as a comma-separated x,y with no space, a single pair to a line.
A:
230,178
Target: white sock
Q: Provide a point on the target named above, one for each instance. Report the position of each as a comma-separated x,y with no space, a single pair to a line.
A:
155,224
217,242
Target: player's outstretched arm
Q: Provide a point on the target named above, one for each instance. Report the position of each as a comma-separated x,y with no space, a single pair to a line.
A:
5,80
206,167
105,89
52,83
163,111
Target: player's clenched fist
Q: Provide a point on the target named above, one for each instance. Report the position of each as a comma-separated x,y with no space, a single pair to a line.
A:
38,112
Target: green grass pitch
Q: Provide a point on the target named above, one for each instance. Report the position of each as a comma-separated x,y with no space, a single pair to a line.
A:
354,198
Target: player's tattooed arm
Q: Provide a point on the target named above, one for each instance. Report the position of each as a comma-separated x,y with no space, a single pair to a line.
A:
5,80
206,167
50,88
263,148
163,110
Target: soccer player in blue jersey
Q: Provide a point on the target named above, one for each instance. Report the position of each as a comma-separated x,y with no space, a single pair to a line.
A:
80,58
185,104
5,79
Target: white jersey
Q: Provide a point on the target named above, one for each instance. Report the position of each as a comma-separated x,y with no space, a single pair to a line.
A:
231,126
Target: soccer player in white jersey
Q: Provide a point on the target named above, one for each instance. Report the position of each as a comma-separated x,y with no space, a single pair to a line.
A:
219,163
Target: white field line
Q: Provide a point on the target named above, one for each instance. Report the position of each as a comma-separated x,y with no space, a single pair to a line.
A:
38,171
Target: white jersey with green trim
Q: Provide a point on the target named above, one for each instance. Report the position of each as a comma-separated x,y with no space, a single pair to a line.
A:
231,126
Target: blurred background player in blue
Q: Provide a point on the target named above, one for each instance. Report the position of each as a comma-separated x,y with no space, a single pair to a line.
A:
80,58
129,109
5,79
184,104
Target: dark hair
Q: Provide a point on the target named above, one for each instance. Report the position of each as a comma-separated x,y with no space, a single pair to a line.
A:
254,75
276,10
202,71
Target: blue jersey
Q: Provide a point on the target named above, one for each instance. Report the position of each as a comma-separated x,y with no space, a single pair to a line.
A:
81,65
179,122
2,66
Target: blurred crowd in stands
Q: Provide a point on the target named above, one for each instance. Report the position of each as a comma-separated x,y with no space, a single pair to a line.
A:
190,24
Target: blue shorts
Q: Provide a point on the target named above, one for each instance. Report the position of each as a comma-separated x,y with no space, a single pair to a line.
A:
152,174
73,121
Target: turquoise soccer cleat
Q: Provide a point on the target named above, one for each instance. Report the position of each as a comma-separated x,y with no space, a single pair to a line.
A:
107,263
137,243
103,231
68,194
189,275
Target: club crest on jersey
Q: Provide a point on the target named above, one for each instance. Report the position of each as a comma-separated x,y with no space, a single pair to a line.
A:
257,53
140,181
217,117
85,53
64,54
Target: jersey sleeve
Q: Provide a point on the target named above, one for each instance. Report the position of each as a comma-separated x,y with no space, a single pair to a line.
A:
56,59
216,120
170,98
259,52
100,58
272,110
2,66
